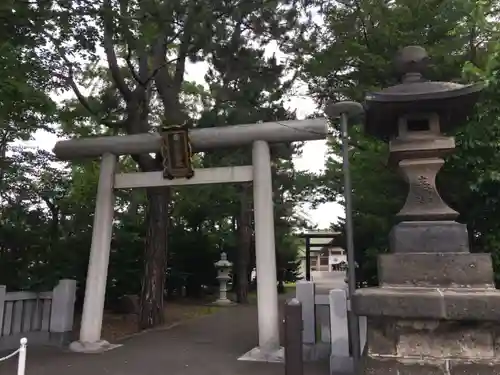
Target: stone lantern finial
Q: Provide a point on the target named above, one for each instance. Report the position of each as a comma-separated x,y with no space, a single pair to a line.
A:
411,63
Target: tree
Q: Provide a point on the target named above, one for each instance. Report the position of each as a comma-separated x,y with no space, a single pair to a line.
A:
25,106
147,45
347,62
474,167
249,87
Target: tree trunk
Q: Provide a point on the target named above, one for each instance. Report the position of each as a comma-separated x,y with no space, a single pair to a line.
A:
244,243
153,282
281,281
280,273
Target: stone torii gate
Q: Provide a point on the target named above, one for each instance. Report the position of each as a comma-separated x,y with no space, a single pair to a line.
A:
110,147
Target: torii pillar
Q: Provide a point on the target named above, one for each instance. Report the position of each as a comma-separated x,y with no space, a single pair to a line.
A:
257,135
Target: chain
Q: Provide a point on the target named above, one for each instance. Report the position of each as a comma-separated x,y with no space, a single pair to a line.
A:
9,356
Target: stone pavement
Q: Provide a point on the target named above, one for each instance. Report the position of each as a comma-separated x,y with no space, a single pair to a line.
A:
209,345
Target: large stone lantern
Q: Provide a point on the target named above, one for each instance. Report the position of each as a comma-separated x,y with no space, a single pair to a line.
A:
436,305
223,267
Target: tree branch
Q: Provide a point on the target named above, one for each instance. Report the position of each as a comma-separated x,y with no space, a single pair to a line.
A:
364,29
70,80
180,65
107,16
132,45
131,67
161,76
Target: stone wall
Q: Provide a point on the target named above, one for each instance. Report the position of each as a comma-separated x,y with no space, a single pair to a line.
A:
432,347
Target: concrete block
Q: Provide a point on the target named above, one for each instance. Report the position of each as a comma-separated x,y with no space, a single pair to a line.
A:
338,323
63,305
304,292
436,269
429,237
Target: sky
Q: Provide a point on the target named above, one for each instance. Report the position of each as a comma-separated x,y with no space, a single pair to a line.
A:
312,158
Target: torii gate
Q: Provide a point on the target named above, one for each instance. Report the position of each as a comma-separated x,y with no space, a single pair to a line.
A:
110,147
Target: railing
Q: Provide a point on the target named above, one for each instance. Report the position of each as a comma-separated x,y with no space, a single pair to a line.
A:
43,318
21,356
325,322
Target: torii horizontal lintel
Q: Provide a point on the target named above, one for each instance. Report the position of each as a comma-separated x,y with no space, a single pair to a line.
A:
202,139
201,176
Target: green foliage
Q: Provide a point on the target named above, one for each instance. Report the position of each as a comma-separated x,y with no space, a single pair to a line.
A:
46,209
57,45
25,105
475,167
347,62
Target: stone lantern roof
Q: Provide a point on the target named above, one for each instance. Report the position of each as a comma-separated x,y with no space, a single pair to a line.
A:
223,262
452,102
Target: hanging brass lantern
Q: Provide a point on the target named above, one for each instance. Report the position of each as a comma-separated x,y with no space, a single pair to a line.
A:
176,152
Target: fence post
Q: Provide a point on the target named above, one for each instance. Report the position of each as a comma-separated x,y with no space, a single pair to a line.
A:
3,293
305,293
338,323
340,357
21,362
294,363
62,311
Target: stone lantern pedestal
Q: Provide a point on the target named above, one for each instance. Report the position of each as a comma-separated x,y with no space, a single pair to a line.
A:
223,267
436,310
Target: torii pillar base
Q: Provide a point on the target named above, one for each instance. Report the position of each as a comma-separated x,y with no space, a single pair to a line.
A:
92,347
258,354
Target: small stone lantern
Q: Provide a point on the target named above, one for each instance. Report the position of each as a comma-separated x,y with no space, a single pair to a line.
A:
436,303
223,267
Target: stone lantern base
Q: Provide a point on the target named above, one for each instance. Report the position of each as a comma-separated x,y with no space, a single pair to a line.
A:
426,236
436,311
224,302
431,347
433,314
